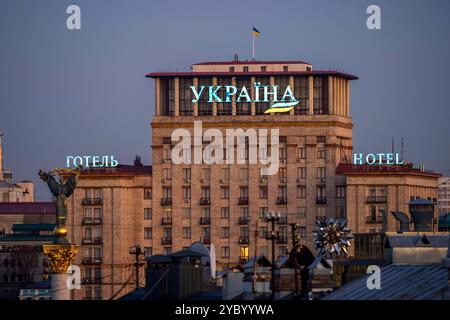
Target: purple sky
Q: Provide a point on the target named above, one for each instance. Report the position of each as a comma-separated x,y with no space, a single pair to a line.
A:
84,92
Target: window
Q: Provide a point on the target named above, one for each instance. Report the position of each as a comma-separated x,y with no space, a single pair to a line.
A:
167,251
96,193
302,232
167,173
242,106
285,68
147,213
167,154
186,193
204,107
167,193
301,212
225,213
340,212
321,212
245,68
186,96
206,232
340,192
318,96
243,173
98,212
205,173
186,173
282,192
263,192
88,212
283,153
321,139
263,68
225,173
263,212
301,92
224,192
225,232
243,253
225,252
167,232
231,69
147,193
282,172
301,172
186,232
262,232
243,192
321,192
321,154
243,212
301,153
147,233
206,212
186,213
205,193
321,172
301,192
148,251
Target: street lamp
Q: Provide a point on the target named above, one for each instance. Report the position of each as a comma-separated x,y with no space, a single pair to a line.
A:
295,240
272,236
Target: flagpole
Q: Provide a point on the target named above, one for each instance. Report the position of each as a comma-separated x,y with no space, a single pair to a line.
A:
253,37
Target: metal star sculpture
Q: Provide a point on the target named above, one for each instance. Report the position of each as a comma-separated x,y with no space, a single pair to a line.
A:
332,236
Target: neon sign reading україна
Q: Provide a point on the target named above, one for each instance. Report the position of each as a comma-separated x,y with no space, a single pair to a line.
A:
262,94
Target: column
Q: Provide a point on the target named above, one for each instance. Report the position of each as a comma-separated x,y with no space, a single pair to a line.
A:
177,97
157,97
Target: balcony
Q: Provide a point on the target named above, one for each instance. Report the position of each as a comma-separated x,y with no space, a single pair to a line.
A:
92,241
243,240
282,240
166,201
166,241
91,201
243,201
89,221
376,199
166,221
206,240
244,220
321,181
321,200
282,200
205,201
282,220
373,220
92,260
205,220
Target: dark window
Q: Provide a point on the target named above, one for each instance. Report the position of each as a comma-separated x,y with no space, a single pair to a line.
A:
245,69
262,106
231,69
186,96
263,68
167,97
224,108
301,93
204,107
243,107
285,68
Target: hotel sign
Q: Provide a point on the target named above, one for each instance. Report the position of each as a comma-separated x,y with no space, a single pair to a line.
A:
283,101
377,158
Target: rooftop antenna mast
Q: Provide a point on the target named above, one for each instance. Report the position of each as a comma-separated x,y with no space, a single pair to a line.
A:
402,148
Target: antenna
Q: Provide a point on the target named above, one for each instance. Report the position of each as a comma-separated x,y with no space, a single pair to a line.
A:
403,147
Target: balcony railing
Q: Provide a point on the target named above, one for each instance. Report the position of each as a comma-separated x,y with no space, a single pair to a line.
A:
205,220
166,241
166,201
206,240
282,240
205,201
372,219
282,200
244,220
376,199
87,221
91,201
243,240
243,201
166,221
92,260
321,200
94,240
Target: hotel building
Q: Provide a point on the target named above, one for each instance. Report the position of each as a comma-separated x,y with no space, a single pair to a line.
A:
166,207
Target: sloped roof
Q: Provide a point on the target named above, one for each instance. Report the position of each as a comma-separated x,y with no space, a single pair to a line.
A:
398,282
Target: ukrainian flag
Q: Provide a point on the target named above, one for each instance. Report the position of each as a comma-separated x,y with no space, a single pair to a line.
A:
256,32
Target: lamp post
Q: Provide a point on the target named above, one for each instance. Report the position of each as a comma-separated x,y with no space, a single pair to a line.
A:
272,236
137,252
294,228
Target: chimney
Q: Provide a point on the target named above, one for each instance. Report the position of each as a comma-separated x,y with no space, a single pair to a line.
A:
137,161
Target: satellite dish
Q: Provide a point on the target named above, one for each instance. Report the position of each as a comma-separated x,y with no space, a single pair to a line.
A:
212,260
